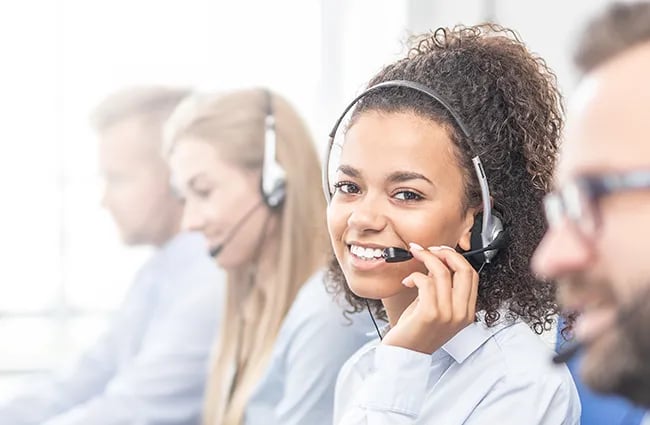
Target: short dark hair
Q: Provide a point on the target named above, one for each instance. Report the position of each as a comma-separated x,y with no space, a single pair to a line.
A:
508,99
620,27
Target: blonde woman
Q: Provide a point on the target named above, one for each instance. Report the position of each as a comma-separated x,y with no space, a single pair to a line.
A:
282,340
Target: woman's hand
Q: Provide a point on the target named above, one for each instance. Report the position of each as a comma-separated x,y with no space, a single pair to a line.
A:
446,301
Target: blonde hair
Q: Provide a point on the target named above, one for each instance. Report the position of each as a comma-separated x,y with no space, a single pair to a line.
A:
234,124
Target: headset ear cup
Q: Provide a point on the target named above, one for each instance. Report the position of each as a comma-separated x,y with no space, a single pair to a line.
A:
273,181
274,199
476,242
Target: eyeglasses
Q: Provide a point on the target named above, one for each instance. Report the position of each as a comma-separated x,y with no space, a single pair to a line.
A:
578,201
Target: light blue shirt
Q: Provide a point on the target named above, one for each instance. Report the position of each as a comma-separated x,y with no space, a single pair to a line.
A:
646,419
500,375
150,366
314,341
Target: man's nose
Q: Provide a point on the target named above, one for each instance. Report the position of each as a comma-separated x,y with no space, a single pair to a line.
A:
561,251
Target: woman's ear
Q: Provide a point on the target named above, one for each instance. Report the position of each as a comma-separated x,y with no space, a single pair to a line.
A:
464,241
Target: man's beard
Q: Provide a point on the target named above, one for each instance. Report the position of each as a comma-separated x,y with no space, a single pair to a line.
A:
618,360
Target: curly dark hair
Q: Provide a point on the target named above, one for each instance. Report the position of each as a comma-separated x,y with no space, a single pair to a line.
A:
508,99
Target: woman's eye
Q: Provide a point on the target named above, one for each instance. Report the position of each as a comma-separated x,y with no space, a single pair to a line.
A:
408,195
202,193
346,187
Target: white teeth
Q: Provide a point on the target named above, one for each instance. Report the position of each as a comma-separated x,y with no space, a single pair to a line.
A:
366,253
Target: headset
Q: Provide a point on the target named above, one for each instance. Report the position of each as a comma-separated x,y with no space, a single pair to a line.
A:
487,235
274,178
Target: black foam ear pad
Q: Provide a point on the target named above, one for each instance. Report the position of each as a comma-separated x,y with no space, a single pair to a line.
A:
476,242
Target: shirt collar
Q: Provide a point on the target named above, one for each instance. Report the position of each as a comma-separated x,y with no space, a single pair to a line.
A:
383,329
465,342
471,338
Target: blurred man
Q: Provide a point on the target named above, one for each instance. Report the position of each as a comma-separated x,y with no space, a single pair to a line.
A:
149,367
600,216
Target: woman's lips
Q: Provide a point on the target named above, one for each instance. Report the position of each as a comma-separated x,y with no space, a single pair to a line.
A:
359,258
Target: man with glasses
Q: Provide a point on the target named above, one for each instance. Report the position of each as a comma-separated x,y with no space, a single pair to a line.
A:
599,217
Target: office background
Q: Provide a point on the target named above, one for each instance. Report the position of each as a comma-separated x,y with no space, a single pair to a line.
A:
62,267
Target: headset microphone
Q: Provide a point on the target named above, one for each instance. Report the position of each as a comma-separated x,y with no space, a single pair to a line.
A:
214,252
397,255
567,353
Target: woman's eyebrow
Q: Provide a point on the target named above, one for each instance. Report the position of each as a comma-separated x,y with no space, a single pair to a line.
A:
394,177
349,171
402,176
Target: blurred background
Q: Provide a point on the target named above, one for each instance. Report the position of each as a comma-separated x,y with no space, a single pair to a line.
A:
62,267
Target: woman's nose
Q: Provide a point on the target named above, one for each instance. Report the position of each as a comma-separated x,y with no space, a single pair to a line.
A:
193,219
367,215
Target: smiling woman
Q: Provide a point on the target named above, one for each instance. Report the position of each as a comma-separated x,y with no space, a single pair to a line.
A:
392,155
450,148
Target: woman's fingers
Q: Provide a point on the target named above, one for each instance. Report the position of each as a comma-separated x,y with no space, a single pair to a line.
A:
473,297
427,294
465,281
455,282
437,306
445,303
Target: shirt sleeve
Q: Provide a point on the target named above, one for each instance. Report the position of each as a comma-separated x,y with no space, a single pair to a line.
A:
58,394
160,380
164,382
319,346
392,393
82,380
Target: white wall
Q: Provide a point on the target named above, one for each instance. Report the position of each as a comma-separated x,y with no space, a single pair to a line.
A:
369,33
548,27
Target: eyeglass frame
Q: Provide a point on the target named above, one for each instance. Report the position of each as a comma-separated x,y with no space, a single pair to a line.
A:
566,202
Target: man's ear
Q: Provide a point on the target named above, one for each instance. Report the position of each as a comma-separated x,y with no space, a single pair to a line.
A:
464,241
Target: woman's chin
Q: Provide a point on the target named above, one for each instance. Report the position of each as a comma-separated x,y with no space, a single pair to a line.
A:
374,289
